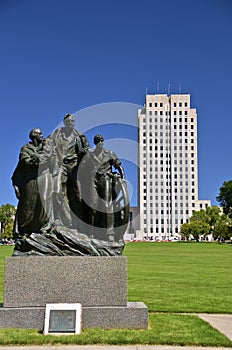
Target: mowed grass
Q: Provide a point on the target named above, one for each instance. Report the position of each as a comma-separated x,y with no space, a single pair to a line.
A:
181,277
166,329
173,277
168,277
4,252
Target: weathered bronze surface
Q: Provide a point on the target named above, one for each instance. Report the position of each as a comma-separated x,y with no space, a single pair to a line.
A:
73,200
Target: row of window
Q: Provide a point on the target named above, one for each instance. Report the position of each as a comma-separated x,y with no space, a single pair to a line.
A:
168,205
168,183
159,113
161,134
156,148
168,230
167,120
161,148
169,190
166,127
168,176
175,104
157,141
170,198
167,170
161,155
161,120
157,134
150,204
185,120
168,221
167,113
180,126
168,161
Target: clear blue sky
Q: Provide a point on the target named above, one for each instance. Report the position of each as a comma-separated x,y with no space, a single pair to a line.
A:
60,56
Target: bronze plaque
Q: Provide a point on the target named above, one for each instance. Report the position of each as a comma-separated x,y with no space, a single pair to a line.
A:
62,321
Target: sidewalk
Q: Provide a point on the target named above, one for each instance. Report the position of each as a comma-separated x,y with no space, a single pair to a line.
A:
223,323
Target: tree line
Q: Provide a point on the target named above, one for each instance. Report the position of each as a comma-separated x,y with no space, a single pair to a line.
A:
213,220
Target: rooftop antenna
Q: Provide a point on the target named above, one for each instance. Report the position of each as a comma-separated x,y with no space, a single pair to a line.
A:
146,91
169,88
157,87
179,88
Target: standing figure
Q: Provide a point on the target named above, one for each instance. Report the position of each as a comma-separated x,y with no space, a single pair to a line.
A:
31,216
97,186
69,147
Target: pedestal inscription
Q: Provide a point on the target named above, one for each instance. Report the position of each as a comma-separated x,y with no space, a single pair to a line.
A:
62,321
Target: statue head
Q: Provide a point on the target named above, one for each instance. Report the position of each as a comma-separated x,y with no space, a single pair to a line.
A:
69,120
98,138
36,134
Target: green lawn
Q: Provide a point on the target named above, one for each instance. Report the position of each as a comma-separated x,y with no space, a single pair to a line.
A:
4,251
169,278
166,329
181,277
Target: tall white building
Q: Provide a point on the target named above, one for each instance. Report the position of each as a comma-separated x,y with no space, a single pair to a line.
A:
168,164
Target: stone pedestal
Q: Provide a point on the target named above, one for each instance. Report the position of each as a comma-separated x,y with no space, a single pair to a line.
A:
98,283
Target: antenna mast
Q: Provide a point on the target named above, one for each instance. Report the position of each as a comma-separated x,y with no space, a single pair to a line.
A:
157,87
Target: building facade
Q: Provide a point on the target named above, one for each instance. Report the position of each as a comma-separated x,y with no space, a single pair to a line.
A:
168,165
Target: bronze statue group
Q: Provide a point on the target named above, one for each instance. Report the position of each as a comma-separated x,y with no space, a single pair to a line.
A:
72,199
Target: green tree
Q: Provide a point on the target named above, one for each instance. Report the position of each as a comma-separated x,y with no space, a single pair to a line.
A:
7,215
209,221
199,228
214,215
225,197
223,227
200,215
196,228
8,231
184,230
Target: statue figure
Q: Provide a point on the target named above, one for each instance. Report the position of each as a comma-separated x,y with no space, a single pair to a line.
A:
31,216
73,200
69,147
99,190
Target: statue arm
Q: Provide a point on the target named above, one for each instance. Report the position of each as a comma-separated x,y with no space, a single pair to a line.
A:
121,172
17,179
118,165
28,156
85,144
120,169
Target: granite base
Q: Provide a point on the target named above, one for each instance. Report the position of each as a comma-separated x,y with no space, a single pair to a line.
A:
90,281
132,316
98,283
